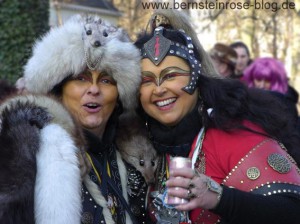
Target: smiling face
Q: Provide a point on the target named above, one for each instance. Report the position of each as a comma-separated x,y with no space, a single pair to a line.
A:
161,93
91,98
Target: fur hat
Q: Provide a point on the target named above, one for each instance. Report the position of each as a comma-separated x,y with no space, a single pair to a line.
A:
83,42
225,54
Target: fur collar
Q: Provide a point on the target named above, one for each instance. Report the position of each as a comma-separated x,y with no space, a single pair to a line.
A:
58,181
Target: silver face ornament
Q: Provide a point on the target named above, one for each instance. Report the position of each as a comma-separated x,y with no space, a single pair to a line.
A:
158,47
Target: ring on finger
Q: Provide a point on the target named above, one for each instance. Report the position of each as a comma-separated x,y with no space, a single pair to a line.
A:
190,194
191,184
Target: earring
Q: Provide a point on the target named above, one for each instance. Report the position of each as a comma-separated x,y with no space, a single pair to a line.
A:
210,111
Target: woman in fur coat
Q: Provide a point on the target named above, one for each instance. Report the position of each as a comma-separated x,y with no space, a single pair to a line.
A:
93,69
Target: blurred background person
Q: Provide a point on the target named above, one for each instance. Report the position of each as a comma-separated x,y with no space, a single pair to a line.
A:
243,57
270,74
224,59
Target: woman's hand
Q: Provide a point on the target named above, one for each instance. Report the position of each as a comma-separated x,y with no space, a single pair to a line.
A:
189,184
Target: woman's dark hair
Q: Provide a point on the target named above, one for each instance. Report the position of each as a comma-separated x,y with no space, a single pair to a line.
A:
242,45
233,102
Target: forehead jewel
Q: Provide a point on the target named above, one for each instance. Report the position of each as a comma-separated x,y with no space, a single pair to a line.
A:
157,47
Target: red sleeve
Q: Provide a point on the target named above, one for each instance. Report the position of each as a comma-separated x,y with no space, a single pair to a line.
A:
223,149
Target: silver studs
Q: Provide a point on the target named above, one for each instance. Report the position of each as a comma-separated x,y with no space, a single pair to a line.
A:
190,46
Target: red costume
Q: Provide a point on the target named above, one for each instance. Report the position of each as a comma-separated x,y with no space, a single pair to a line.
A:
246,161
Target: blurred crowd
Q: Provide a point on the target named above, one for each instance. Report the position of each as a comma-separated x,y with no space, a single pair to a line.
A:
266,73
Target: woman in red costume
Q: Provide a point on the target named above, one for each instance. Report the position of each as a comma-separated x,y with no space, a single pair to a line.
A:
245,153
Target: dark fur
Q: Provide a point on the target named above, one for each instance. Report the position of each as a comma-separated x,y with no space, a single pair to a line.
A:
19,142
134,145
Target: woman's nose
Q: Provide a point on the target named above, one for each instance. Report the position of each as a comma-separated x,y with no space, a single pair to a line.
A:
159,90
93,89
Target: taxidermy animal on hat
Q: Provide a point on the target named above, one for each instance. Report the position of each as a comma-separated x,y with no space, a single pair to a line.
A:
65,52
136,148
97,33
39,171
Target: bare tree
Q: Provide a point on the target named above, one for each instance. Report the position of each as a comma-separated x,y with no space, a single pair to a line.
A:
134,18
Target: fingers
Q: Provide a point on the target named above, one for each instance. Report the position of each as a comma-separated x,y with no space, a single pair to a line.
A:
182,172
193,187
178,182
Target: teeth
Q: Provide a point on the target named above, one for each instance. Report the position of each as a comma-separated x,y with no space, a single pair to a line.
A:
92,105
165,102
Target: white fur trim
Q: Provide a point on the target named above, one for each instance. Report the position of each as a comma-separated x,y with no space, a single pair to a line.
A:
123,176
58,182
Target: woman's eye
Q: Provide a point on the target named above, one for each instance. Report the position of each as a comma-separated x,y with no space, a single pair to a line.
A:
82,78
107,80
146,79
170,76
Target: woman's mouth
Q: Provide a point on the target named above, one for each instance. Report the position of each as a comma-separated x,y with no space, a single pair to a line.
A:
92,107
164,103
